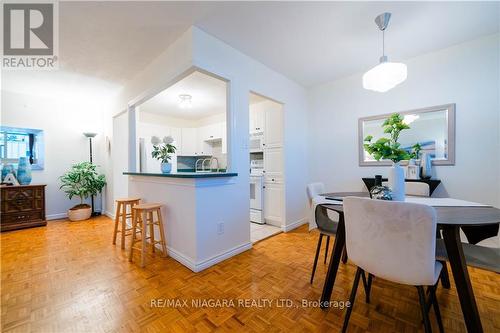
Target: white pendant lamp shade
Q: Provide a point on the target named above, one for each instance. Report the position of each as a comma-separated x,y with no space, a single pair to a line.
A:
384,76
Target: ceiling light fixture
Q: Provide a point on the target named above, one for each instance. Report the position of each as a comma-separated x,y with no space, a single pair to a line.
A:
385,75
185,101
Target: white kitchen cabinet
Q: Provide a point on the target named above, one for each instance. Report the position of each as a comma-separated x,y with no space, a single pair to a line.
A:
211,132
257,120
176,134
273,133
202,146
188,142
273,203
224,137
273,162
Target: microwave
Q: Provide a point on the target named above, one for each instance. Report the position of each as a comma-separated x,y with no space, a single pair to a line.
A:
256,142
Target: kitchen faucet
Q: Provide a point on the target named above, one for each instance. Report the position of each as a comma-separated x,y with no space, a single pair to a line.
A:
210,160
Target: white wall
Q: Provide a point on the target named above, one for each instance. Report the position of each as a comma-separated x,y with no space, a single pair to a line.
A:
465,74
63,122
246,74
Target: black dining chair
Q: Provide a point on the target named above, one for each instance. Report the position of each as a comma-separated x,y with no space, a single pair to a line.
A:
326,227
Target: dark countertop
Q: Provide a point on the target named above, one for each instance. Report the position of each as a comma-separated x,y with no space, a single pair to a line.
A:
184,174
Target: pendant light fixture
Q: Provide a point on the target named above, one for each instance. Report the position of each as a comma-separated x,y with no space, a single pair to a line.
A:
385,75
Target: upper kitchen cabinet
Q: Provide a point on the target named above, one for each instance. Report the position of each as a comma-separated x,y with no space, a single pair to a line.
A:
273,133
188,142
257,120
211,132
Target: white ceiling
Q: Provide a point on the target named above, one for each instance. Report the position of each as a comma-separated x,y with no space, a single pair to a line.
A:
310,42
208,98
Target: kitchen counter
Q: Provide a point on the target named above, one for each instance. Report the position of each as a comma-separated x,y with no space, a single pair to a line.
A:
184,174
201,225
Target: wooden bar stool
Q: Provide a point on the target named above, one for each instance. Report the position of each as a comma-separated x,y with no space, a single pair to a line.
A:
143,219
121,216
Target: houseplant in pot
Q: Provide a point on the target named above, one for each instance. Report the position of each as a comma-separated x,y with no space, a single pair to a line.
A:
82,181
162,151
390,149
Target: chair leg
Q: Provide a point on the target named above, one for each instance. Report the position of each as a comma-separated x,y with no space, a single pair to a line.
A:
344,255
423,307
117,220
143,238
352,297
316,257
162,232
124,224
367,284
135,217
151,231
444,277
326,248
435,304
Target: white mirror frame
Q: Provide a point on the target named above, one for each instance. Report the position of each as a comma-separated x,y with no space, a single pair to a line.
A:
450,108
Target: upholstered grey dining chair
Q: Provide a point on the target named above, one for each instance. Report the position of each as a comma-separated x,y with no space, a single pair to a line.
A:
395,241
415,188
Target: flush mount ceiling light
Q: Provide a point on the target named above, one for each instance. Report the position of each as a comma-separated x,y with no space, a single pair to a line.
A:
185,101
385,75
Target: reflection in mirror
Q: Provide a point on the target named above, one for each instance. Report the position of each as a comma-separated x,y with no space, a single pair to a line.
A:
432,128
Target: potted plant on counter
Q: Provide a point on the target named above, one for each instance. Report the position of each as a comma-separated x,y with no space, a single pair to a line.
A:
162,151
82,181
390,149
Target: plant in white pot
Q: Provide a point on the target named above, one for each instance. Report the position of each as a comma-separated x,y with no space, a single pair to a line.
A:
163,151
390,149
82,181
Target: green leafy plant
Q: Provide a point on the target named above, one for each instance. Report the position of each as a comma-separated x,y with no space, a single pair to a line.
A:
416,148
162,150
82,181
388,148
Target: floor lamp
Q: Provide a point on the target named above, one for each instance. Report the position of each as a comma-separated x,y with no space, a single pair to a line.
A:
90,136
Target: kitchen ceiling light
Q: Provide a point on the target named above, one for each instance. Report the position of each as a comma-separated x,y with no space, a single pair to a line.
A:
385,75
185,101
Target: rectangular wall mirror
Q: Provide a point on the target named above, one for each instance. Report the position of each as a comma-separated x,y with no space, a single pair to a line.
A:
433,128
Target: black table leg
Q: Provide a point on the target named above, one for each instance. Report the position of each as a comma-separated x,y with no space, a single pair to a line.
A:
451,237
333,267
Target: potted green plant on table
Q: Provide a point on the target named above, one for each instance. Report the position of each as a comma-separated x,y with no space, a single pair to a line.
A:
389,148
82,181
162,151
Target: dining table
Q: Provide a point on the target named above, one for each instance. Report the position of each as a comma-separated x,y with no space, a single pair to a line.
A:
449,221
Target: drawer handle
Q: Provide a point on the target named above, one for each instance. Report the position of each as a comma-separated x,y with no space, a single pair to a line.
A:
272,179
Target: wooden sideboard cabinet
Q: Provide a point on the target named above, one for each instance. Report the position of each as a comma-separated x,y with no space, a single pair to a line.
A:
22,206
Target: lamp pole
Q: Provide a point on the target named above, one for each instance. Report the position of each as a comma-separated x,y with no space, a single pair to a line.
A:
90,136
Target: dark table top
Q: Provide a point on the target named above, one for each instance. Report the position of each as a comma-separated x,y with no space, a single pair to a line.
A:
460,216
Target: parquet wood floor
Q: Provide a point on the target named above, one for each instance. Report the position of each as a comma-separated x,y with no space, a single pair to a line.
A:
68,277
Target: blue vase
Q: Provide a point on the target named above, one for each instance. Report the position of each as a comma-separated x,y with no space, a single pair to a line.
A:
24,171
7,168
166,167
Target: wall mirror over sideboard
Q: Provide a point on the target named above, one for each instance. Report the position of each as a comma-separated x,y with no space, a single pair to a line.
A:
433,128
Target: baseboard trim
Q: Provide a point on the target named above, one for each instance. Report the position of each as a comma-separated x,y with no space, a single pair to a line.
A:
110,215
202,265
223,256
56,216
294,225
